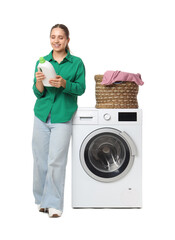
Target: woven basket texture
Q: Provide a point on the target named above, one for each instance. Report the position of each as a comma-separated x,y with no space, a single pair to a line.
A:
122,95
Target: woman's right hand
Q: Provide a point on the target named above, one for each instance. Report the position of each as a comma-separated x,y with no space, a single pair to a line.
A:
39,84
39,76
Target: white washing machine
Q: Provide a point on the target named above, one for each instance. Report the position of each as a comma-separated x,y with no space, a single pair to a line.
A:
107,158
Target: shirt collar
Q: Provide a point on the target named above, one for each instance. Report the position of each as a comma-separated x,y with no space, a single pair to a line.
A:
68,56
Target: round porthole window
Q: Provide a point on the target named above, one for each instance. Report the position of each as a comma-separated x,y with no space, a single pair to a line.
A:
106,155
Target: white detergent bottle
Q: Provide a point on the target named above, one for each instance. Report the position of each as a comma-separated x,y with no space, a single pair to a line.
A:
47,69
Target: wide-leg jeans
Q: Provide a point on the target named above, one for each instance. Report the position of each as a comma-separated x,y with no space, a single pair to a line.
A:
50,145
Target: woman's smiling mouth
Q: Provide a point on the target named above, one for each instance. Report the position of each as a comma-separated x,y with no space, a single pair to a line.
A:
57,45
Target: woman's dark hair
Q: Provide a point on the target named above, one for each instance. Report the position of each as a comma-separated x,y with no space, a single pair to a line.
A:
65,29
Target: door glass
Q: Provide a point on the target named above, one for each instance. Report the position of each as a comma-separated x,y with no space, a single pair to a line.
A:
107,152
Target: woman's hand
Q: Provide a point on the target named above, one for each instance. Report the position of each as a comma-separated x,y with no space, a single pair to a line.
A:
39,84
39,76
58,82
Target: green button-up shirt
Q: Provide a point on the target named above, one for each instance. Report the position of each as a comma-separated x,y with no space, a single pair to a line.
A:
61,102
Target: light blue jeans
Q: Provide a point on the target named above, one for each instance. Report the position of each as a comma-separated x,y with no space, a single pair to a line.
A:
50,145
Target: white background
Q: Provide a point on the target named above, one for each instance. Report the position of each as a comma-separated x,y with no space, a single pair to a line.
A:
132,36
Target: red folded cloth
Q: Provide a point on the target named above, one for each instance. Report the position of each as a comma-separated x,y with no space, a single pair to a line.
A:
111,77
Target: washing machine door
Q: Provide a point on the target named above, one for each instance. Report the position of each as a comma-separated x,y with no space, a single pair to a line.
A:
107,154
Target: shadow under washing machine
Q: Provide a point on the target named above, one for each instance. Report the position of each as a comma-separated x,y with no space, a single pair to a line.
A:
107,158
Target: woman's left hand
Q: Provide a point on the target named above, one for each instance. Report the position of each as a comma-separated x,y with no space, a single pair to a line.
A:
58,82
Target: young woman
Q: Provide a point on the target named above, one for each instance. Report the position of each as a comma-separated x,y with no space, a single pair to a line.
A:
54,109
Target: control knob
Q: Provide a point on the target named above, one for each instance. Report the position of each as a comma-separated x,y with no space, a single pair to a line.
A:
107,116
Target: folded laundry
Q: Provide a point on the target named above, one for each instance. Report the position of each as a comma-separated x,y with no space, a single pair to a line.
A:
111,77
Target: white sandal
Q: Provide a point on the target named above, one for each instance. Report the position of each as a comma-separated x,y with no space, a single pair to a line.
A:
44,210
54,213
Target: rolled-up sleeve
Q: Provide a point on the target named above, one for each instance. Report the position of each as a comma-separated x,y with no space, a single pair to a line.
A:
78,86
37,93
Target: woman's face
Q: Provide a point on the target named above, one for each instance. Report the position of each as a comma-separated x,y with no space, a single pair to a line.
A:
58,40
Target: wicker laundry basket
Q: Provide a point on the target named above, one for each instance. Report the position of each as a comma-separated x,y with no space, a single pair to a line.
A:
121,95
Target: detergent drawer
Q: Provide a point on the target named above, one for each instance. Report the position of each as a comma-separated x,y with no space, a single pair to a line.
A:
85,117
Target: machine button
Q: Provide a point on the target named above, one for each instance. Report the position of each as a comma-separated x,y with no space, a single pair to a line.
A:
107,116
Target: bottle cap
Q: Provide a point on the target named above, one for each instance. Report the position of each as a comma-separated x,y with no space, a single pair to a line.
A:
42,60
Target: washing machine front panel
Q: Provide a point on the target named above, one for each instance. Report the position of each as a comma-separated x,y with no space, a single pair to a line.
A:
107,154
